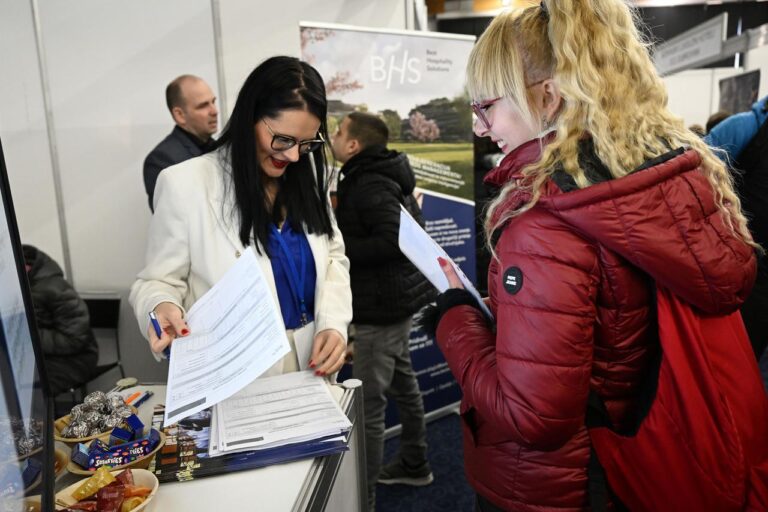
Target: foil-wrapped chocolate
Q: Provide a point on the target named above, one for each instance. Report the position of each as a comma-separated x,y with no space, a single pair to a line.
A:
115,400
95,400
77,412
26,445
98,413
111,421
77,430
124,412
92,419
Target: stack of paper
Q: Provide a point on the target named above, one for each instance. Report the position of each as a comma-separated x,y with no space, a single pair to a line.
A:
237,334
288,410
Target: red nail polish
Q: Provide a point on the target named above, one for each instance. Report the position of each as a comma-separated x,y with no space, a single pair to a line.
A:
311,364
319,373
441,261
184,332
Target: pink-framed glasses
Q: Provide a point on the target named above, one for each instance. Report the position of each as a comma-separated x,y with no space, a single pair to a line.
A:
479,108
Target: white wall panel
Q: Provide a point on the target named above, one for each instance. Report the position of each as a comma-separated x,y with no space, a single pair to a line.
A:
694,95
254,31
108,63
23,131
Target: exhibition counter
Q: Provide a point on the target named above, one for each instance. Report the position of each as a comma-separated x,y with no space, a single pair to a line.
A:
334,482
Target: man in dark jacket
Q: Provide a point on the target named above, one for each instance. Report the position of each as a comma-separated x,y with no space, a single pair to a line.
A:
386,291
193,107
69,347
744,138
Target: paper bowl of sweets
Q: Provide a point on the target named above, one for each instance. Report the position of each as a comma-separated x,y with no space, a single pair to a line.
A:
128,490
94,418
130,445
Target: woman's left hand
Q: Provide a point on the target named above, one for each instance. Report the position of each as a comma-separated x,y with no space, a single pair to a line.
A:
450,273
328,351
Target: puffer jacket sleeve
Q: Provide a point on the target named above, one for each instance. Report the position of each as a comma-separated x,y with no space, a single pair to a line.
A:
529,379
66,330
376,201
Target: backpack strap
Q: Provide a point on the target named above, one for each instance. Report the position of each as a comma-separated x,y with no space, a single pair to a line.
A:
598,485
596,416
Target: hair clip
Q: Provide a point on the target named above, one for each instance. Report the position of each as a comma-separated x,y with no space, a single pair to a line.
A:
544,10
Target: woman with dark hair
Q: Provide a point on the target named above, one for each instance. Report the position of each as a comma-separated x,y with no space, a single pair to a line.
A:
257,188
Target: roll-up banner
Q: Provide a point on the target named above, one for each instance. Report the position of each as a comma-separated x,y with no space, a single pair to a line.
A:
415,82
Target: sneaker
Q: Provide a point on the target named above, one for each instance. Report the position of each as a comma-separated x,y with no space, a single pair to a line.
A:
399,473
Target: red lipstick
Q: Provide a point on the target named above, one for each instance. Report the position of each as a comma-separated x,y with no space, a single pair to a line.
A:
280,164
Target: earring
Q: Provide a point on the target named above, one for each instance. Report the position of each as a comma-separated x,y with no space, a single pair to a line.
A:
545,122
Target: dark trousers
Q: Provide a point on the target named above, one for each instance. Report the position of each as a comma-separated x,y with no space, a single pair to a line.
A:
754,311
382,361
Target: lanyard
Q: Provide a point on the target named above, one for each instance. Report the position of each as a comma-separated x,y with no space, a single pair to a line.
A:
295,280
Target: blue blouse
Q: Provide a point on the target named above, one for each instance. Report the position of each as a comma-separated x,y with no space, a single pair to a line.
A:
297,245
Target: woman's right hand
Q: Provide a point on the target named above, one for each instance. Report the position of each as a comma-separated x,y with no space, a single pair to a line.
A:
172,324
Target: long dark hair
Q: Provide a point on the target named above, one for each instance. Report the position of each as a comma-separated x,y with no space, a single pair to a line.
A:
278,83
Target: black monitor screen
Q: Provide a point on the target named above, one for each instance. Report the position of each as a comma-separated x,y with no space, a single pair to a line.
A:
26,445
738,93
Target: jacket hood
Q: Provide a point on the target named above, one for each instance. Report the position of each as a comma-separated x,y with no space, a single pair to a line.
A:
662,218
380,160
41,265
760,109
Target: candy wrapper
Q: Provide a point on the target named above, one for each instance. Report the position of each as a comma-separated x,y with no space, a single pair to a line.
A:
101,478
79,455
122,454
110,498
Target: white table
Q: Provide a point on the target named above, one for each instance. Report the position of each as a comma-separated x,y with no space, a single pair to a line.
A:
335,482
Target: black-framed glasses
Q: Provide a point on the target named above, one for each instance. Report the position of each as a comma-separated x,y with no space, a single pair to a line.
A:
479,108
286,142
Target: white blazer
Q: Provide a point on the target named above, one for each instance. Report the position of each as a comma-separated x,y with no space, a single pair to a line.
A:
193,241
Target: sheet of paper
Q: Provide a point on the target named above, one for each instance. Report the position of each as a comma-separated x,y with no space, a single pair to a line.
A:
423,252
237,334
277,411
303,338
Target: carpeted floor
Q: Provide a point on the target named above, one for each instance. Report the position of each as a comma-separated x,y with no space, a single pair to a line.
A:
449,492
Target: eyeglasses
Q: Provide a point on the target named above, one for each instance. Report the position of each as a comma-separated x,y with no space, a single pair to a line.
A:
479,108
286,142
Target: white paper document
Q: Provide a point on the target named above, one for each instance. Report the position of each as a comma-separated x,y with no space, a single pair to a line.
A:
236,335
277,411
423,252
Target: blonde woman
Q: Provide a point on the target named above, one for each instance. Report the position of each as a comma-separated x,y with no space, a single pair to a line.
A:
602,192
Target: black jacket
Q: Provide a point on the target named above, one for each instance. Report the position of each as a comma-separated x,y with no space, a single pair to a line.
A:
751,182
68,344
177,147
386,287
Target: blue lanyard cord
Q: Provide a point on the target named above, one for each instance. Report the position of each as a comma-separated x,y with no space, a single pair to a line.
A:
296,279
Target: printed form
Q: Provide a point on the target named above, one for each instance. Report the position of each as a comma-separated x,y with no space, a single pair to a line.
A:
276,411
423,252
236,335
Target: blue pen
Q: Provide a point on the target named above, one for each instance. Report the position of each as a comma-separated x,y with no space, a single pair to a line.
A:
143,398
159,332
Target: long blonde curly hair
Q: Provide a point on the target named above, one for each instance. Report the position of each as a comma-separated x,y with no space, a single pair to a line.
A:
610,89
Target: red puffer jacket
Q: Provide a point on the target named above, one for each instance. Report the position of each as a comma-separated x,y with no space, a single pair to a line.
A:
572,298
